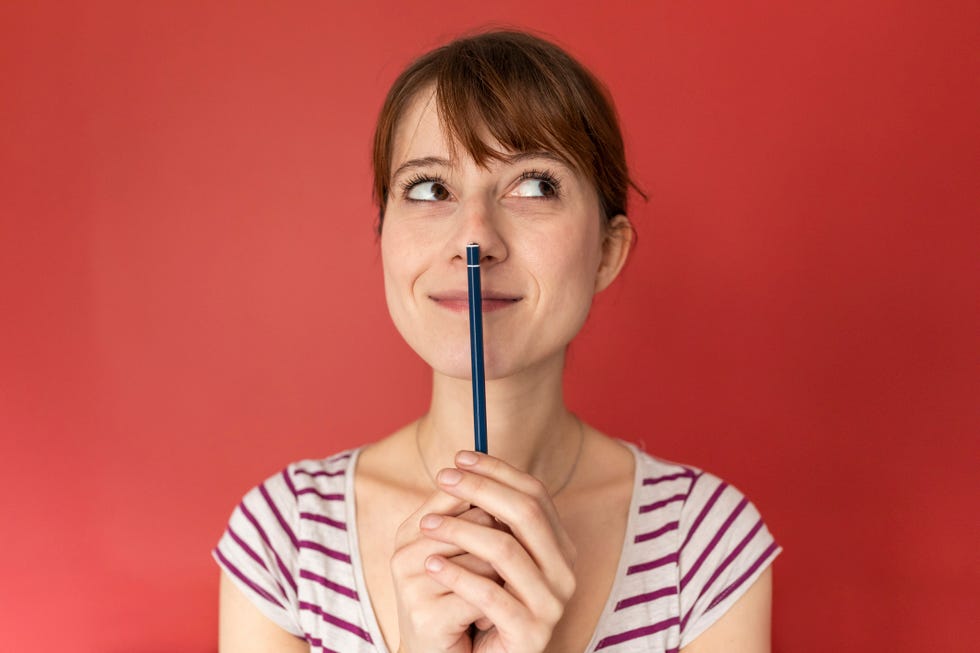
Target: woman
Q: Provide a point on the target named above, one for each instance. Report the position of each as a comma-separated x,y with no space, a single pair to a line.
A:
564,539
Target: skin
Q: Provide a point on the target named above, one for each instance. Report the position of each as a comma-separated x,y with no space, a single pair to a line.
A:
433,562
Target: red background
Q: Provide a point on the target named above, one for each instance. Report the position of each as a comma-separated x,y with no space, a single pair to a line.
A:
191,296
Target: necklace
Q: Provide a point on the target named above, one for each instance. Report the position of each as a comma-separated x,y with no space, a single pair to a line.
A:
568,478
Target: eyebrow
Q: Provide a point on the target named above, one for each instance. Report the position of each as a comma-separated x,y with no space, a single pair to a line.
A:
511,159
423,162
538,154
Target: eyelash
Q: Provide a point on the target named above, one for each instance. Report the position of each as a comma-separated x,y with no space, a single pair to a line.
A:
543,175
422,178
419,178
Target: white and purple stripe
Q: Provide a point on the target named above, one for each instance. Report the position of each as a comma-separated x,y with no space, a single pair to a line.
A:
693,545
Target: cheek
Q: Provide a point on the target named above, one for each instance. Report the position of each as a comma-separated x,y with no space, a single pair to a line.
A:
574,267
401,252
398,277
568,286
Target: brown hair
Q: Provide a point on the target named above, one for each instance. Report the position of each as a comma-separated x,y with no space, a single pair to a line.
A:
528,93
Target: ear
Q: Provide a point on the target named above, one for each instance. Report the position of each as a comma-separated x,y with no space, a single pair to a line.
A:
616,244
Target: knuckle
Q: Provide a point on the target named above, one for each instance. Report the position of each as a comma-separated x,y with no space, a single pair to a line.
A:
455,572
445,528
491,464
405,531
410,594
400,562
568,586
504,547
528,511
540,634
537,489
477,481
487,594
400,535
420,620
553,609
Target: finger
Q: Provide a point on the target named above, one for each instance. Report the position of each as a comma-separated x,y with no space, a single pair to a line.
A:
445,617
501,470
473,563
477,565
523,577
475,516
461,557
478,516
409,556
526,516
438,502
412,547
503,610
525,483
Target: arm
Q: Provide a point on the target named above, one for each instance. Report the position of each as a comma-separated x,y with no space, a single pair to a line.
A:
243,629
745,628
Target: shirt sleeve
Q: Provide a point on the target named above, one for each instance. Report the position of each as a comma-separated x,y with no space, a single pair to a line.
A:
725,547
259,550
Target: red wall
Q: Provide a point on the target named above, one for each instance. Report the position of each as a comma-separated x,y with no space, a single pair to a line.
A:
191,296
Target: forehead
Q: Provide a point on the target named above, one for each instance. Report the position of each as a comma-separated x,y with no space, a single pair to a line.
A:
419,131
420,134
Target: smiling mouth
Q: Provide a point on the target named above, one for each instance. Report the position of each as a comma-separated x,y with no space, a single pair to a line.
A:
461,304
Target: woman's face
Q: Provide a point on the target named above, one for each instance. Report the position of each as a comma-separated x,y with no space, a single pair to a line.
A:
544,250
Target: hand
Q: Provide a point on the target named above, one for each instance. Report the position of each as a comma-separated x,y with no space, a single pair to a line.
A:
430,618
535,557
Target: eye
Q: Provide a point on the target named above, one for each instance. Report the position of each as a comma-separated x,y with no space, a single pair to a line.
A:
427,191
537,184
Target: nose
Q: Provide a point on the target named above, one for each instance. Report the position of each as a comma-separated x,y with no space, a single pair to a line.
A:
478,222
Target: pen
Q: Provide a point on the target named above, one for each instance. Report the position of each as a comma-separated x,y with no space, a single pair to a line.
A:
476,348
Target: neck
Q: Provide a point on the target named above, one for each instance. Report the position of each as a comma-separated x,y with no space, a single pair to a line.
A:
528,424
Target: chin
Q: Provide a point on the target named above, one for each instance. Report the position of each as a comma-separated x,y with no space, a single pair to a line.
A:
496,364
455,363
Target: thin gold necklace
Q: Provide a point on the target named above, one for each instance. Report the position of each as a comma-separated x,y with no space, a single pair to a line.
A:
568,478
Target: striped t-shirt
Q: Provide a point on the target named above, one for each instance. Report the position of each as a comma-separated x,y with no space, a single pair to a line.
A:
693,545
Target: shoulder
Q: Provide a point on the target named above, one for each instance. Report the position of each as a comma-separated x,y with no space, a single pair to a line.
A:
703,499
722,544
318,477
653,471
309,490
261,546
284,494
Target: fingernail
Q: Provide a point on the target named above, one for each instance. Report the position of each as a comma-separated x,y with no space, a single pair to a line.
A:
433,563
449,477
467,458
431,521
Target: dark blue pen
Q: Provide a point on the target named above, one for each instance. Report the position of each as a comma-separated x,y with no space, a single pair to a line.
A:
476,348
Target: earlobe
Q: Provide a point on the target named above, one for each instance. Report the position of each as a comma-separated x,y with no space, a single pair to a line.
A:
616,245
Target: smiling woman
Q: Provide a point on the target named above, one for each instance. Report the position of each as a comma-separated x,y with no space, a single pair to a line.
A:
564,539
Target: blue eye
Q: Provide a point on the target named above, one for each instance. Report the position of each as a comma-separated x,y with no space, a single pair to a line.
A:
427,191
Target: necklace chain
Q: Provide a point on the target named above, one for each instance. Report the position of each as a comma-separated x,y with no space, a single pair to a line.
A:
568,478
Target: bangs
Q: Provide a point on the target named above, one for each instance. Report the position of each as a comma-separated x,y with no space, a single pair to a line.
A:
517,101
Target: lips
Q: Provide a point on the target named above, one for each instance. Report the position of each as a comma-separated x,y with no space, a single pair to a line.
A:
459,301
